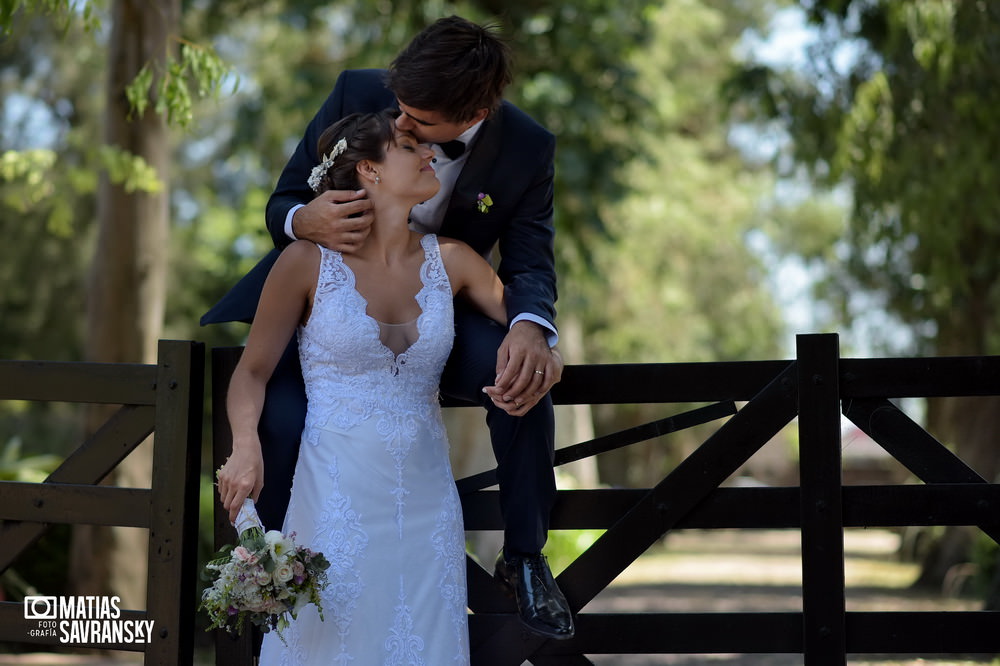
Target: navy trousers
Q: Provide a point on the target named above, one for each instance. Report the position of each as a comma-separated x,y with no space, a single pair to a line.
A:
524,446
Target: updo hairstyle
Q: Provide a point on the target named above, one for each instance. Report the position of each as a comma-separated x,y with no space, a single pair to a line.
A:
367,136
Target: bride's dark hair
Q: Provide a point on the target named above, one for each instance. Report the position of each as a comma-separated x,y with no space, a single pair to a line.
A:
366,134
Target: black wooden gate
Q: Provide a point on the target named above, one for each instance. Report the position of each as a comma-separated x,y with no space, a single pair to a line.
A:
165,399
814,388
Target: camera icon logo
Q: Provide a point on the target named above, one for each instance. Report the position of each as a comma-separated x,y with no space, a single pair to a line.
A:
38,607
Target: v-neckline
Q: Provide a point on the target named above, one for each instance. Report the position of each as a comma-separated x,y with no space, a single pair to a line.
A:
376,323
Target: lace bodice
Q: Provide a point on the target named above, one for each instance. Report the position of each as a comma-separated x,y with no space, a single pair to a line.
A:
373,488
349,373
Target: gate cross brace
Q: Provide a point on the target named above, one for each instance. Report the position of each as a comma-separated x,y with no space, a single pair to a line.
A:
654,515
918,451
88,464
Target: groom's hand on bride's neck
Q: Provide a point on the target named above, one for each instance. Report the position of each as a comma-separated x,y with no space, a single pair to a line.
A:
337,219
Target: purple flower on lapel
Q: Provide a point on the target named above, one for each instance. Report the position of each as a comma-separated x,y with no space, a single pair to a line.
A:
483,202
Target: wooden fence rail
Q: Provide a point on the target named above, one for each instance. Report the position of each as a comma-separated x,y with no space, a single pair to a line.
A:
750,401
165,400
815,389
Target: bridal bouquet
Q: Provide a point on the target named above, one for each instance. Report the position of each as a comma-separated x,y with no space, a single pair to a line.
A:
264,579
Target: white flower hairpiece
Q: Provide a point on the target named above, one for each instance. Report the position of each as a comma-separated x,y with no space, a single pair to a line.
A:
316,177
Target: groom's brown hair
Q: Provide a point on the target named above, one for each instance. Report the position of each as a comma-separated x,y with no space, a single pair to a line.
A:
455,67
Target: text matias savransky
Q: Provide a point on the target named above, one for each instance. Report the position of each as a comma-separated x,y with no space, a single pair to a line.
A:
85,620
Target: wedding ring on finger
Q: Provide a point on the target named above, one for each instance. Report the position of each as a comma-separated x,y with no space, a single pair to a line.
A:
539,372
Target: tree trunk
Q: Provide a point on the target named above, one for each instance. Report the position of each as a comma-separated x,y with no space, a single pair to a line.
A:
128,279
968,425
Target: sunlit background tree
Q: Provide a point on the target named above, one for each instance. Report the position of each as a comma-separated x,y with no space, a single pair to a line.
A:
894,107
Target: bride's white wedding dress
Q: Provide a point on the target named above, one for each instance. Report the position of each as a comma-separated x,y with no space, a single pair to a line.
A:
373,486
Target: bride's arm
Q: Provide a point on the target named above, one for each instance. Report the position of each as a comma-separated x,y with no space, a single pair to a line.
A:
474,279
283,303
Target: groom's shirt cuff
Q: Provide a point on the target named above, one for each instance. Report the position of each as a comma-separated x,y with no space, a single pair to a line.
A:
552,336
288,221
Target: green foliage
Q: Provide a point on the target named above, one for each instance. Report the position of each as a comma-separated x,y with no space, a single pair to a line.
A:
564,546
678,282
26,469
50,165
898,102
199,68
198,72
24,177
596,78
673,278
212,253
128,170
66,12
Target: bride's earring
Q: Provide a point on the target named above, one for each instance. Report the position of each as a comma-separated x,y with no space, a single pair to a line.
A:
378,179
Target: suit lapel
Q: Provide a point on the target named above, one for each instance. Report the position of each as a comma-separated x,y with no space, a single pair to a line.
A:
475,176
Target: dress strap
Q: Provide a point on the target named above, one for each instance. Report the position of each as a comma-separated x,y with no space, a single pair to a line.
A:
432,273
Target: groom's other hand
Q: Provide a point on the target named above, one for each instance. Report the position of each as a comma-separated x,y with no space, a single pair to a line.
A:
337,219
526,369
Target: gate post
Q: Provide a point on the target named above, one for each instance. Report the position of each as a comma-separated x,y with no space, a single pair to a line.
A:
823,599
173,525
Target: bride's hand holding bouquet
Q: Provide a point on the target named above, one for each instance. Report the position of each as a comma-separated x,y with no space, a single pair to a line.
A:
264,580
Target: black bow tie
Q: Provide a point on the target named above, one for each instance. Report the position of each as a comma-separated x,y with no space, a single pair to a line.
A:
453,149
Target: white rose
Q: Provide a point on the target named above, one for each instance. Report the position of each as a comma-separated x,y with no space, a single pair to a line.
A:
282,573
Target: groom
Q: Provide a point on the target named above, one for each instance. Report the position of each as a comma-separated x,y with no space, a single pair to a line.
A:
495,165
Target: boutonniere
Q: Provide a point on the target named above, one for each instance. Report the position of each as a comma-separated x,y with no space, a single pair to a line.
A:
483,202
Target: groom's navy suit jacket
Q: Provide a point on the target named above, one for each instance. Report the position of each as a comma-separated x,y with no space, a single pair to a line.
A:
511,160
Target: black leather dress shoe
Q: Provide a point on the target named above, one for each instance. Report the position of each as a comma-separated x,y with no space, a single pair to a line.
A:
540,604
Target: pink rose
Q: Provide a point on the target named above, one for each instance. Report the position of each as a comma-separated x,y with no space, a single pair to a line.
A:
244,555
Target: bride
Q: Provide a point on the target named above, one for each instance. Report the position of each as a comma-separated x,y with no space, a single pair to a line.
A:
373,487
